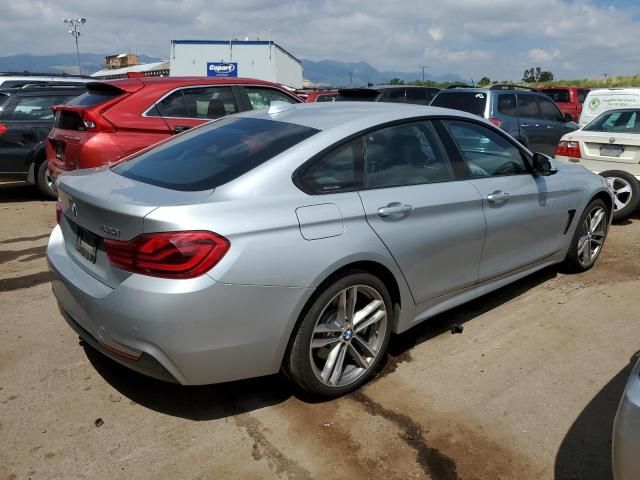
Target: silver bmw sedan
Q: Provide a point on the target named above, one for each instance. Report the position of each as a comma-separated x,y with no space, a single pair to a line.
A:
299,238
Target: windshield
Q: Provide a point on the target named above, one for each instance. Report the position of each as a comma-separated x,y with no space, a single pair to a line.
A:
215,154
624,121
472,102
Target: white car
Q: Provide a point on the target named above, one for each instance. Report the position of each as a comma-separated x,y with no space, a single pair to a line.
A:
610,146
604,99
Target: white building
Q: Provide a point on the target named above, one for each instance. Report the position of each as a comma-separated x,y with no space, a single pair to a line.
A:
259,59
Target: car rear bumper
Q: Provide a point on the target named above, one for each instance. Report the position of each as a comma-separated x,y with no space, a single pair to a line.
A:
626,431
192,332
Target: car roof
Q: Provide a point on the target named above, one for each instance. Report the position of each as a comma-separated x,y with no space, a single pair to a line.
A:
325,116
171,82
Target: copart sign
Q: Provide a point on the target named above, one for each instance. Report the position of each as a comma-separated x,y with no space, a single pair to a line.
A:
218,69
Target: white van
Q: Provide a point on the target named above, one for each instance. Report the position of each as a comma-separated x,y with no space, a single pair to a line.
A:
604,99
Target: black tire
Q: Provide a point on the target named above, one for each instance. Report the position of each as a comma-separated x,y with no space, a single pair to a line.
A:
44,183
300,364
574,262
626,202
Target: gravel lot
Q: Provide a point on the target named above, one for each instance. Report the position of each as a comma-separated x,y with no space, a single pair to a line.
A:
527,391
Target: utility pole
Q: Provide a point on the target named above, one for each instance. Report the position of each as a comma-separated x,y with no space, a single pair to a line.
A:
423,71
350,79
74,23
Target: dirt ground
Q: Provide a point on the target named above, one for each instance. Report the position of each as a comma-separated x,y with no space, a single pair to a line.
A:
528,391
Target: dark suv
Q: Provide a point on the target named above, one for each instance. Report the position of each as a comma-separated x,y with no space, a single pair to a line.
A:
388,93
528,115
25,120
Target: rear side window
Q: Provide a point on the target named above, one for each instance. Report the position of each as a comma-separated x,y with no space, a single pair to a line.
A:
507,105
209,102
558,95
419,96
339,170
173,105
326,98
364,95
527,106
213,155
95,97
32,108
472,102
261,97
394,95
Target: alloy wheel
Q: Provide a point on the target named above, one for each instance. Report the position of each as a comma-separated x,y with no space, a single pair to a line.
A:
348,336
621,190
592,233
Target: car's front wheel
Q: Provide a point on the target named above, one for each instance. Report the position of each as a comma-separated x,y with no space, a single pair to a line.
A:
626,191
589,237
342,337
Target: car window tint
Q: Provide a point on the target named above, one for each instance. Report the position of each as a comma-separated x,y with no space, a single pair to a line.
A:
32,108
527,106
95,97
173,105
627,121
582,94
419,96
326,98
209,102
394,95
472,102
261,97
548,109
507,105
557,95
214,154
408,154
338,170
487,153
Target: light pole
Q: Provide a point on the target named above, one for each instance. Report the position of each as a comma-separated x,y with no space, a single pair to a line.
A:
74,23
423,72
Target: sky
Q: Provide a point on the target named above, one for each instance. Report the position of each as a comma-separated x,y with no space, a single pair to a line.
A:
471,38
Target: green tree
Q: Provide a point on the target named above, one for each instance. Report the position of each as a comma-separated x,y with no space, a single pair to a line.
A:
533,75
396,81
484,81
545,76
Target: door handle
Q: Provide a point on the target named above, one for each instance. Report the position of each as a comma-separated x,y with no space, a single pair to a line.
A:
180,128
524,124
395,209
498,197
549,126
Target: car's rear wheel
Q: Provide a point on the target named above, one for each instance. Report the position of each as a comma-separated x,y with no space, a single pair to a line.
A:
589,237
45,182
343,336
626,190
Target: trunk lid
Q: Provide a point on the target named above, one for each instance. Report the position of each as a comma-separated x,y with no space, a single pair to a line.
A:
102,204
611,147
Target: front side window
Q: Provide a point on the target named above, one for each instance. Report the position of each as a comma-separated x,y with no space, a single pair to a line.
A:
261,97
214,154
527,106
627,121
32,108
548,109
486,153
339,170
408,154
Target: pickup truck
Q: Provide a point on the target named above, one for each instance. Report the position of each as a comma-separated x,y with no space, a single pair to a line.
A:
568,99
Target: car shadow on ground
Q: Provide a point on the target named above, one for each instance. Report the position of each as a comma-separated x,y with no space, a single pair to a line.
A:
223,400
11,192
585,452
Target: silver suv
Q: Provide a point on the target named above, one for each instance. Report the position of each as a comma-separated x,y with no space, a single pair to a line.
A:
528,115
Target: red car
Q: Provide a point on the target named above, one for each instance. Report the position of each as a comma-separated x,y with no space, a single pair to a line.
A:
116,118
321,96
568,99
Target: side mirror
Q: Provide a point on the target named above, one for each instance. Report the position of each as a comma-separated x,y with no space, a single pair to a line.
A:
542,165
566,118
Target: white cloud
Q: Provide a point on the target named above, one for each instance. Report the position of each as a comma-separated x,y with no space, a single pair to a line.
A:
496,38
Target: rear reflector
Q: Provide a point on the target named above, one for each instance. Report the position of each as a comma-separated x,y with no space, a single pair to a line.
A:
3,129
168,254
568,149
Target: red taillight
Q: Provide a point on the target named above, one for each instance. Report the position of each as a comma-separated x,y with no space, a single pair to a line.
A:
495,121
168,254
3,129
568,149
58,211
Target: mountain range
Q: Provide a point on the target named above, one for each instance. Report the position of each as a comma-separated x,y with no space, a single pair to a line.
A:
325,72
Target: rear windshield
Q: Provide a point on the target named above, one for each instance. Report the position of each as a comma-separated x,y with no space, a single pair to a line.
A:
557,95
214,154
357,96
622,121
95,97
472,102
